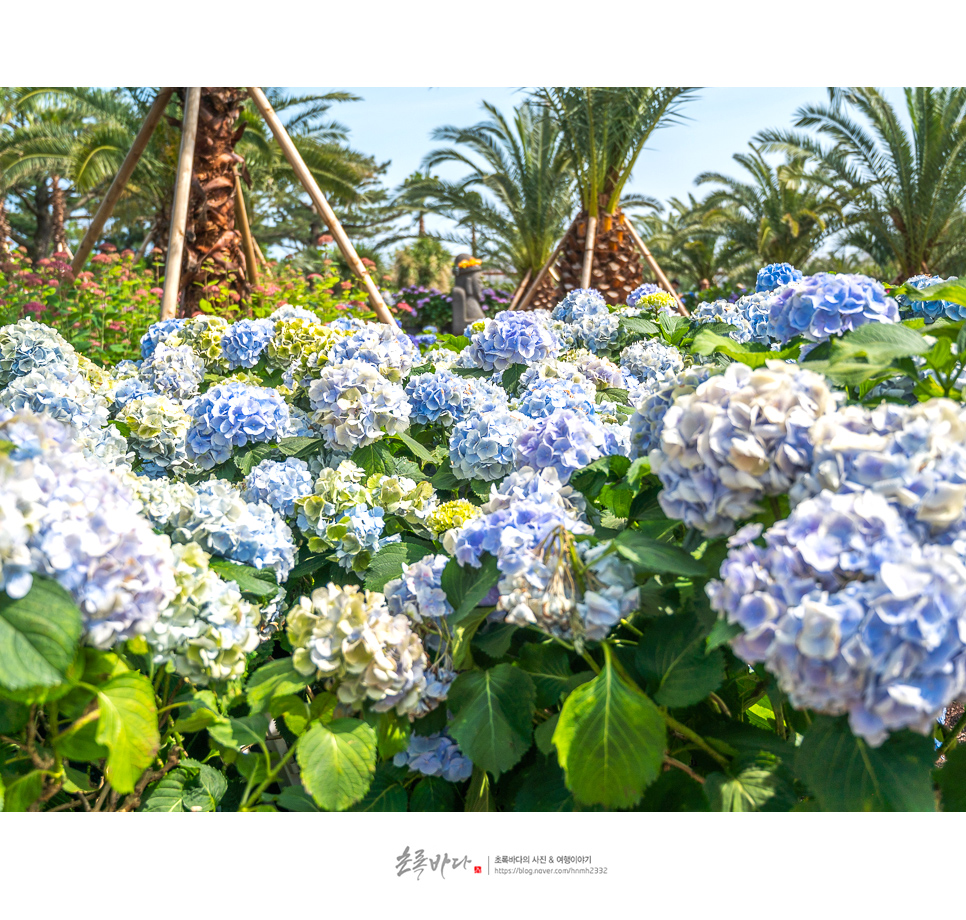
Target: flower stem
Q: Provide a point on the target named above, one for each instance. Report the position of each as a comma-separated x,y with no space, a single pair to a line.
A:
695,738
952,739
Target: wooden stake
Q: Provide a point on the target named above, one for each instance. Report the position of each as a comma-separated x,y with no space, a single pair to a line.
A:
251,266
120,180
652,263
322,206
521,287
179,210
589,241
543,271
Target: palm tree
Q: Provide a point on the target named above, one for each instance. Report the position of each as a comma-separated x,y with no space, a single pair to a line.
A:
904,188
782,215
517,192
690,241
604,131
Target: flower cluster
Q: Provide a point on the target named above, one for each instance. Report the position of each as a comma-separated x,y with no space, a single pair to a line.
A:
69,518
386,348
174,370
824,305
417,593
564,440
231,415
447,398
653,401
740,436
69,400
435,755
349,638
157,332
776,275
931,310
244,342
650,361
28,346
279,485
512,338
578,304
481,445
157,429
208,629
656,302
597,333
544,396
643,290
851,613
353,405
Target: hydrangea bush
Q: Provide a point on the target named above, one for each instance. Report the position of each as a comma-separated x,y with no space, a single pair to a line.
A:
590,557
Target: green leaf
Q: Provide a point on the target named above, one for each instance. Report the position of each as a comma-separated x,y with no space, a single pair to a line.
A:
465,587
387,563
337,761
433,793
392,734
295,798
202,712
385,794
128,727
80,743
273,679
674,790
511,378
307,566
479,796
951,780
168,794
543,735
76,781
846,774
610,740
22,792
470,372
549,666
300,447
374,458
653,556
754,354
754,785
250,456
497,639
293,710
492,716
13,717
638,326
444,480
239,733
672,657
413,445
39,636
256,582
544,788
954,291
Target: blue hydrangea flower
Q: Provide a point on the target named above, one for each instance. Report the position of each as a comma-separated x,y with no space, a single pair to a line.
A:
353,405
71,402
931,310
418,593
481,445
385,347
544,396
290,311
435,755
755,309
357,536
653,401
824,305
245,341
850,613
279,485
651,360
511,338
740,436
564,440
231,415
174,371
128,389
578,304
775,275
346,324
724,311
642,291
597,333
157,332
29,346
446,398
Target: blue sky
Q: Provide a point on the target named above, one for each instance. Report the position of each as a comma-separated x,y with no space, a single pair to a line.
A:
396,124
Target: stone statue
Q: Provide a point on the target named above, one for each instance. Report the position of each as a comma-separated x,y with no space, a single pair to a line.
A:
467,292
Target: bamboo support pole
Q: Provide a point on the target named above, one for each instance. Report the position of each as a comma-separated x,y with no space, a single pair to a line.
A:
322,206
589,242
106,208
521,287
251,266
652,263
179,210
524,303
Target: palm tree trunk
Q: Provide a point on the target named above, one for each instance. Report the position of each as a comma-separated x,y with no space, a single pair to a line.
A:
616,268
213,247
4,226
44,227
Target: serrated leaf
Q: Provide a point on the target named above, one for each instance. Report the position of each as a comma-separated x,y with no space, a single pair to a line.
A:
497,639
610,740
249,457
337,762
651,555
259,583
511,377
236,734
953,291
387,563
202,712
672,657
755,784
272,679
39,636
846,774
548,664
300,447
385,794
492,716
465,587
638,326
433,793
168,794
413,445
127,725
374,458
444,480
754,354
